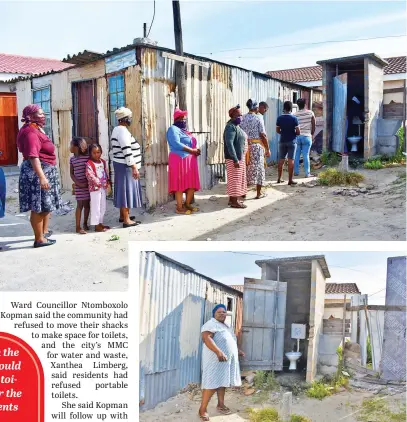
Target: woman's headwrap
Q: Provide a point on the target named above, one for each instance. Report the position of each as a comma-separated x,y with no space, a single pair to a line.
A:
29,113
178,114
217,307
233,110
252,104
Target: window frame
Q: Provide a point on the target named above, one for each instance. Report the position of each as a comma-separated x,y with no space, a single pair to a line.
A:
49,114
113,123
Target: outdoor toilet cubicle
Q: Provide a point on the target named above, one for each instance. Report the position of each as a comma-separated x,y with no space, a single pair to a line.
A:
289,296
352,86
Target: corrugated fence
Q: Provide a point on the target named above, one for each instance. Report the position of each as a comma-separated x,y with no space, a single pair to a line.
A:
174,304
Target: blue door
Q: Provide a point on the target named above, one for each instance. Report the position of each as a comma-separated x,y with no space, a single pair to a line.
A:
339,112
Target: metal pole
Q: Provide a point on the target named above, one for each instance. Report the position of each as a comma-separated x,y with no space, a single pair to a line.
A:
343,330
275,318
179,49
145,30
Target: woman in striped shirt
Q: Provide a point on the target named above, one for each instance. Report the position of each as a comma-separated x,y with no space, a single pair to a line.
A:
79,147
126,163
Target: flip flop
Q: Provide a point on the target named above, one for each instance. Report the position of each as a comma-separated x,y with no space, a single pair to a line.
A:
191,208
81,231
49,242
238,205
126,226
204,417
280,181
292,184
225,410
186,212
262,195
132,218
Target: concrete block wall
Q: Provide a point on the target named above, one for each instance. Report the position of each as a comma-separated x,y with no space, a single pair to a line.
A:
327,357
316,318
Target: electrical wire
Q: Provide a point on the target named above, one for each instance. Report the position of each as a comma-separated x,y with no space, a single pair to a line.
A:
151,22
299,44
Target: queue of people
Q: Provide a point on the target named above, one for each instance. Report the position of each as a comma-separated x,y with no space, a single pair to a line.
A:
246,148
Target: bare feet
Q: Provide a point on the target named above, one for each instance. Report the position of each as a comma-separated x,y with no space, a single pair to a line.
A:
100,228
79,230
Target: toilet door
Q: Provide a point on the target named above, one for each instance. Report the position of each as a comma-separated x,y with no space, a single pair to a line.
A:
264,307
339,112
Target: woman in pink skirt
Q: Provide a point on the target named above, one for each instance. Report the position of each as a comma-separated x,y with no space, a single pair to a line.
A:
183,174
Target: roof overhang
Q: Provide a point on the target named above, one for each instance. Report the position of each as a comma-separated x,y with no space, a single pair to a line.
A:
298,259
355,59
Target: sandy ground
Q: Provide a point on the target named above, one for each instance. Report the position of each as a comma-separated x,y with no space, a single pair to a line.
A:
287,213
339,407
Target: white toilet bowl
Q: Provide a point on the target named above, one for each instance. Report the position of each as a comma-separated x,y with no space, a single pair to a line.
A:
354,142
293,357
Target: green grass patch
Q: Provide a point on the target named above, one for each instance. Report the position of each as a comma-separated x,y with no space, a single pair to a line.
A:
269,414
329,158
373,164
335,177
377,410
319,390
265,380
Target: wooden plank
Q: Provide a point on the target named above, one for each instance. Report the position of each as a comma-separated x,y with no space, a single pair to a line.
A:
187,60
392,90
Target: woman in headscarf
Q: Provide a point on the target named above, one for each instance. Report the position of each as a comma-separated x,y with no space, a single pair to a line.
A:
259,148
39,181
220,361
126,163
183,174
235,146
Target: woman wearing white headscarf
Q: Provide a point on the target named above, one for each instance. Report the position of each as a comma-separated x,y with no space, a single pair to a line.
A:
126,163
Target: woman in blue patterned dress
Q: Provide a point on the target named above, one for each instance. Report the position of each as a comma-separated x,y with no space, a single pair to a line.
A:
259,148
220,361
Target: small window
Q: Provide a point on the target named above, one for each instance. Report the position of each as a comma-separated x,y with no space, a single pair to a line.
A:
42,97
116,96
230,304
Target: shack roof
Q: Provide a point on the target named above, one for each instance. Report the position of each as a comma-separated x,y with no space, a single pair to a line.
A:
190,269
86,57
308,259
360,57
339,288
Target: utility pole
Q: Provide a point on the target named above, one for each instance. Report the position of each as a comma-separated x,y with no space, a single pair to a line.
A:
179,50
145,30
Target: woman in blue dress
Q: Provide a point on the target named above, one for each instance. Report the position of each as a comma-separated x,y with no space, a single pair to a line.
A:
220,361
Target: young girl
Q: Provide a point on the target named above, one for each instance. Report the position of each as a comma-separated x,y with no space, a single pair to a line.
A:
98,180
79,148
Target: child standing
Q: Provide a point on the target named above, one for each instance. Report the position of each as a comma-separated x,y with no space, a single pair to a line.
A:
79,148
98,181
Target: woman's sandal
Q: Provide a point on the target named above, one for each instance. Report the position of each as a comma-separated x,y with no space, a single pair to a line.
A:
132,218
184,212
49,234
204,417
238,205
262,195
191,208
49,242
224,410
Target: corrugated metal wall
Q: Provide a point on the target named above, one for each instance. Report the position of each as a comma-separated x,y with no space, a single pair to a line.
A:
172,312
150,94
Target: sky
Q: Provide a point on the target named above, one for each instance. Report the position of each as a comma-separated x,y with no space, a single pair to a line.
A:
366,269
209,28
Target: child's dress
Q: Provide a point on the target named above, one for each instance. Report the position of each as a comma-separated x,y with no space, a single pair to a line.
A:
98,181
79,163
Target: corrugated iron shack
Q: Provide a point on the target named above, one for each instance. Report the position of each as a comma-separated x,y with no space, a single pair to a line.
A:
175,301
81,100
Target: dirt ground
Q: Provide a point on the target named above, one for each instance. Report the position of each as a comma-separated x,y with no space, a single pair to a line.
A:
298,213
339,407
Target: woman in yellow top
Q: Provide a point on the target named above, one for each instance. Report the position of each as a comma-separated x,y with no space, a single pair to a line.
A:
259,148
